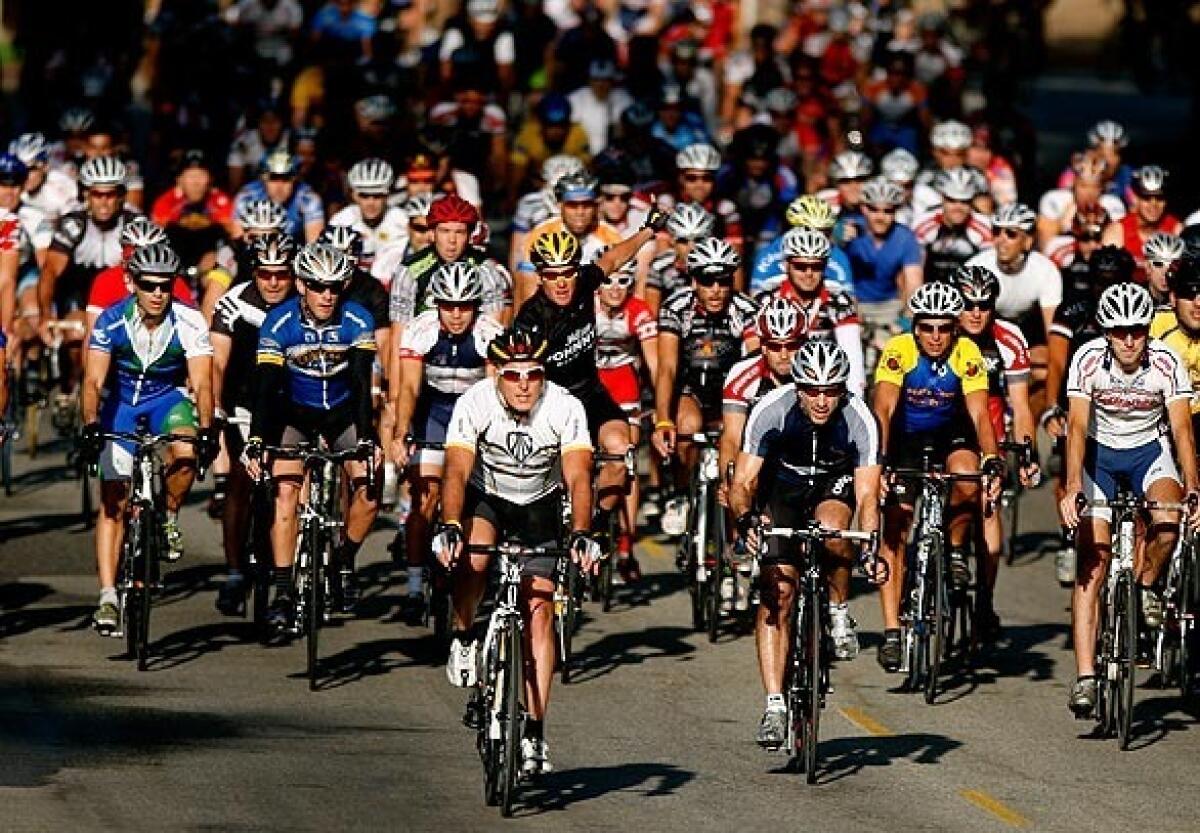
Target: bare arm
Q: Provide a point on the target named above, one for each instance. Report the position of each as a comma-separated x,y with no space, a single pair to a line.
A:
887,397
866,493
1023,422
977,409
408,388
459,462
618,255
650,354
1048,318
95,371
745,483
222,347
200,379
664,379
56,262
1180,414
1059,349
910,278
577,476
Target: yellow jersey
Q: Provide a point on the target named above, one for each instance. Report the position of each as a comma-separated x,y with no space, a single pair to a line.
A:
931,390
1165,327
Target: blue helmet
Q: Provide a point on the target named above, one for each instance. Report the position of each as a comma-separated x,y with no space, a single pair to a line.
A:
554,108
12,170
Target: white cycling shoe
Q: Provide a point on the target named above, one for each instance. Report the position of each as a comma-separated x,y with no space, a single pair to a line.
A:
841,631
462,666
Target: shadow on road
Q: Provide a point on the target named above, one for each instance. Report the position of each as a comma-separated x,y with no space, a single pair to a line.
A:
560,790
1158,713
615,650
189,645
1013,656
31,525
380,656
15,620
842,757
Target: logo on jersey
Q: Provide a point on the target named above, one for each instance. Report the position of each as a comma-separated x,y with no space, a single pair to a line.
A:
971,370
892,362
519,445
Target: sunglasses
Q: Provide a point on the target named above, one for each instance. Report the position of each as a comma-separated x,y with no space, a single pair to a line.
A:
1161,265
103,195
617,282
1127,333
982,306
806,265
318,288
1089,237
714,280
152,286
828,391
281,275
699,178
419,228
1010,233
623,196
532,374
280,178
562,277
878,209
935,329
371,196
779,346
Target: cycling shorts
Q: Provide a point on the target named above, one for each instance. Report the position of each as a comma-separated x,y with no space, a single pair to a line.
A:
706,387
309,425
623,386
28,279
237,433
790,505
169,412
1104,469
537,524
429,423
907,451
600,409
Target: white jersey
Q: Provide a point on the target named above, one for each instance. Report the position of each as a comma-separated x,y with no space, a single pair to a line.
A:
390,231
58,195
518,459
1128,410
1038,284
451,364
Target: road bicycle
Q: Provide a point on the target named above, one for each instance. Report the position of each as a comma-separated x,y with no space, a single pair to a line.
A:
602,583
1021,455
1174,646
703,555
807,680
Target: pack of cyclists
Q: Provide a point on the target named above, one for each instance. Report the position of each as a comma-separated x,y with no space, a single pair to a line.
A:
503,315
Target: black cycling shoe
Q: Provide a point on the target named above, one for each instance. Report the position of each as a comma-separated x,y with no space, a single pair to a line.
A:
890,652
231,598
987,627
473,716
412,609
345,594
280,615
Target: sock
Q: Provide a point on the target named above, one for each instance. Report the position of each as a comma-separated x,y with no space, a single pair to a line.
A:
534,729
347,553
834,607
891,633
283,581
108,594
415,581
219,481
775,702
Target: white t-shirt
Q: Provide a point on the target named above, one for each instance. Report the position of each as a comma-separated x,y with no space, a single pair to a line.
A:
517,459
504,50
1128,410
1038,284
598,117
392,230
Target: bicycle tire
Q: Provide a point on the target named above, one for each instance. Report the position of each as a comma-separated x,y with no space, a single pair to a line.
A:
315,600
490,749
1186,606
569,620
913,644
6,466
130,603
608,566
513,680
32,415
814,641
144,560
1127,617
936,604
715,563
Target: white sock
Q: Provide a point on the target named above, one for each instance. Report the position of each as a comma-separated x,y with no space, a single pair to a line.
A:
775,702
415,581
108,594
844,607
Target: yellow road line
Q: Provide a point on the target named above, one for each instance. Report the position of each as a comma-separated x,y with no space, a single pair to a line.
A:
865,722
995,807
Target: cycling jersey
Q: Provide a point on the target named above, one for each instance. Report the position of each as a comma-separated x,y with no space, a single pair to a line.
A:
1037,284
570,332
1132,238
619,333
409,293
89,249
1006,358
877,264
148,363
26,231
770,270
797,452
534,208
729,219
110,288
365,291
57,195
833,316
1166,327
931,392
452,363
747,382
517,458
315,356
303,208
1128,410
949,247
239,314
195,229
709,342
389,231
666,275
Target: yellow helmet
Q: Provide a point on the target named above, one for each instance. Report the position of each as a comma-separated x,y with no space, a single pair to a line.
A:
555,249
810,211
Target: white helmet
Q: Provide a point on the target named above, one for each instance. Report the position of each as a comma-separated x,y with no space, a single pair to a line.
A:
30,148
456,283
320,263
820,363
558,166
142,231
103,172
950,135
1125,305
371,176
261,215
1149,180
936,300
899,166
155,259
781,319
880,191
806,244
1163,247
417,205
1108,132
957,184
712,256
698,157
1015,215
850,164
690,221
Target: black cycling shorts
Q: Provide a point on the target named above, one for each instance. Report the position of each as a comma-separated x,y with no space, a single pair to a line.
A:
537,524
907,451
308,425
600,408
793,505
706,388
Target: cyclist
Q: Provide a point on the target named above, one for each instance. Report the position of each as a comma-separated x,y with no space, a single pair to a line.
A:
540,205
949,142
1006,358
312,382
25,236
952,233
1106,140
196,215
235,330
280,183
363,289
47,189
442,353
1161,255
564,311
1129,398
688,224
849,172
420,235
1179,327
380,225
515,444
827,313
1057,206
696,182
931,396
85,242
885,258
704,329
142,354
810,212
1071,252
1147,216
811,452
626,342
235,262
901,167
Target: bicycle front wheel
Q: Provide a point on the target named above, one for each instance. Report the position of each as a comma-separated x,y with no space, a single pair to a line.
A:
814,660
568,619
315,603
935,620
715,561
1184,653
513,679
1126,655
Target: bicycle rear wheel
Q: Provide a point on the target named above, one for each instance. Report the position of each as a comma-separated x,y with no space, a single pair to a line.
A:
513,679
1126,655
814,662
716,564
315,603
569,619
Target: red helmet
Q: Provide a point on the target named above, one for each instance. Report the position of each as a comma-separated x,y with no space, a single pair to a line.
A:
452,209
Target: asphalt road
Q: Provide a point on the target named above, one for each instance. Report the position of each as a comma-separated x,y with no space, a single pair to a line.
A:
221,734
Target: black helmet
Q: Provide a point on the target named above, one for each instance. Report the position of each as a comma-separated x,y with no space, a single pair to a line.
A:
612,167
1191,243
1185,275
636,117
1111,264
518,344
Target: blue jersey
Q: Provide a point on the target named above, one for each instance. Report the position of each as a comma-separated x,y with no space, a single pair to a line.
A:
768,269
147,364
315,356
303,208
876,265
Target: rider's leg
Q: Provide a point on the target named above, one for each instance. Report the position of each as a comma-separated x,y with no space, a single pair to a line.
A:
180,470
613,438
426,494
1161,534
633,494
1094,549
110,530
896,520
360,517
992,541
470,577
773,625
288,476
537,593
964,495
236,519
839,555
688,420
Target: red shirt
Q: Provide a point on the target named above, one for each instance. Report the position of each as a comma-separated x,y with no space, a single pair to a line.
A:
169,209
109,288
1132,240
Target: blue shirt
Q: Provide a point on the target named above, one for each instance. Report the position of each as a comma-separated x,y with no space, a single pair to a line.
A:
876,266
768,270
356,26
303,208
145,363
315,356
689,131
